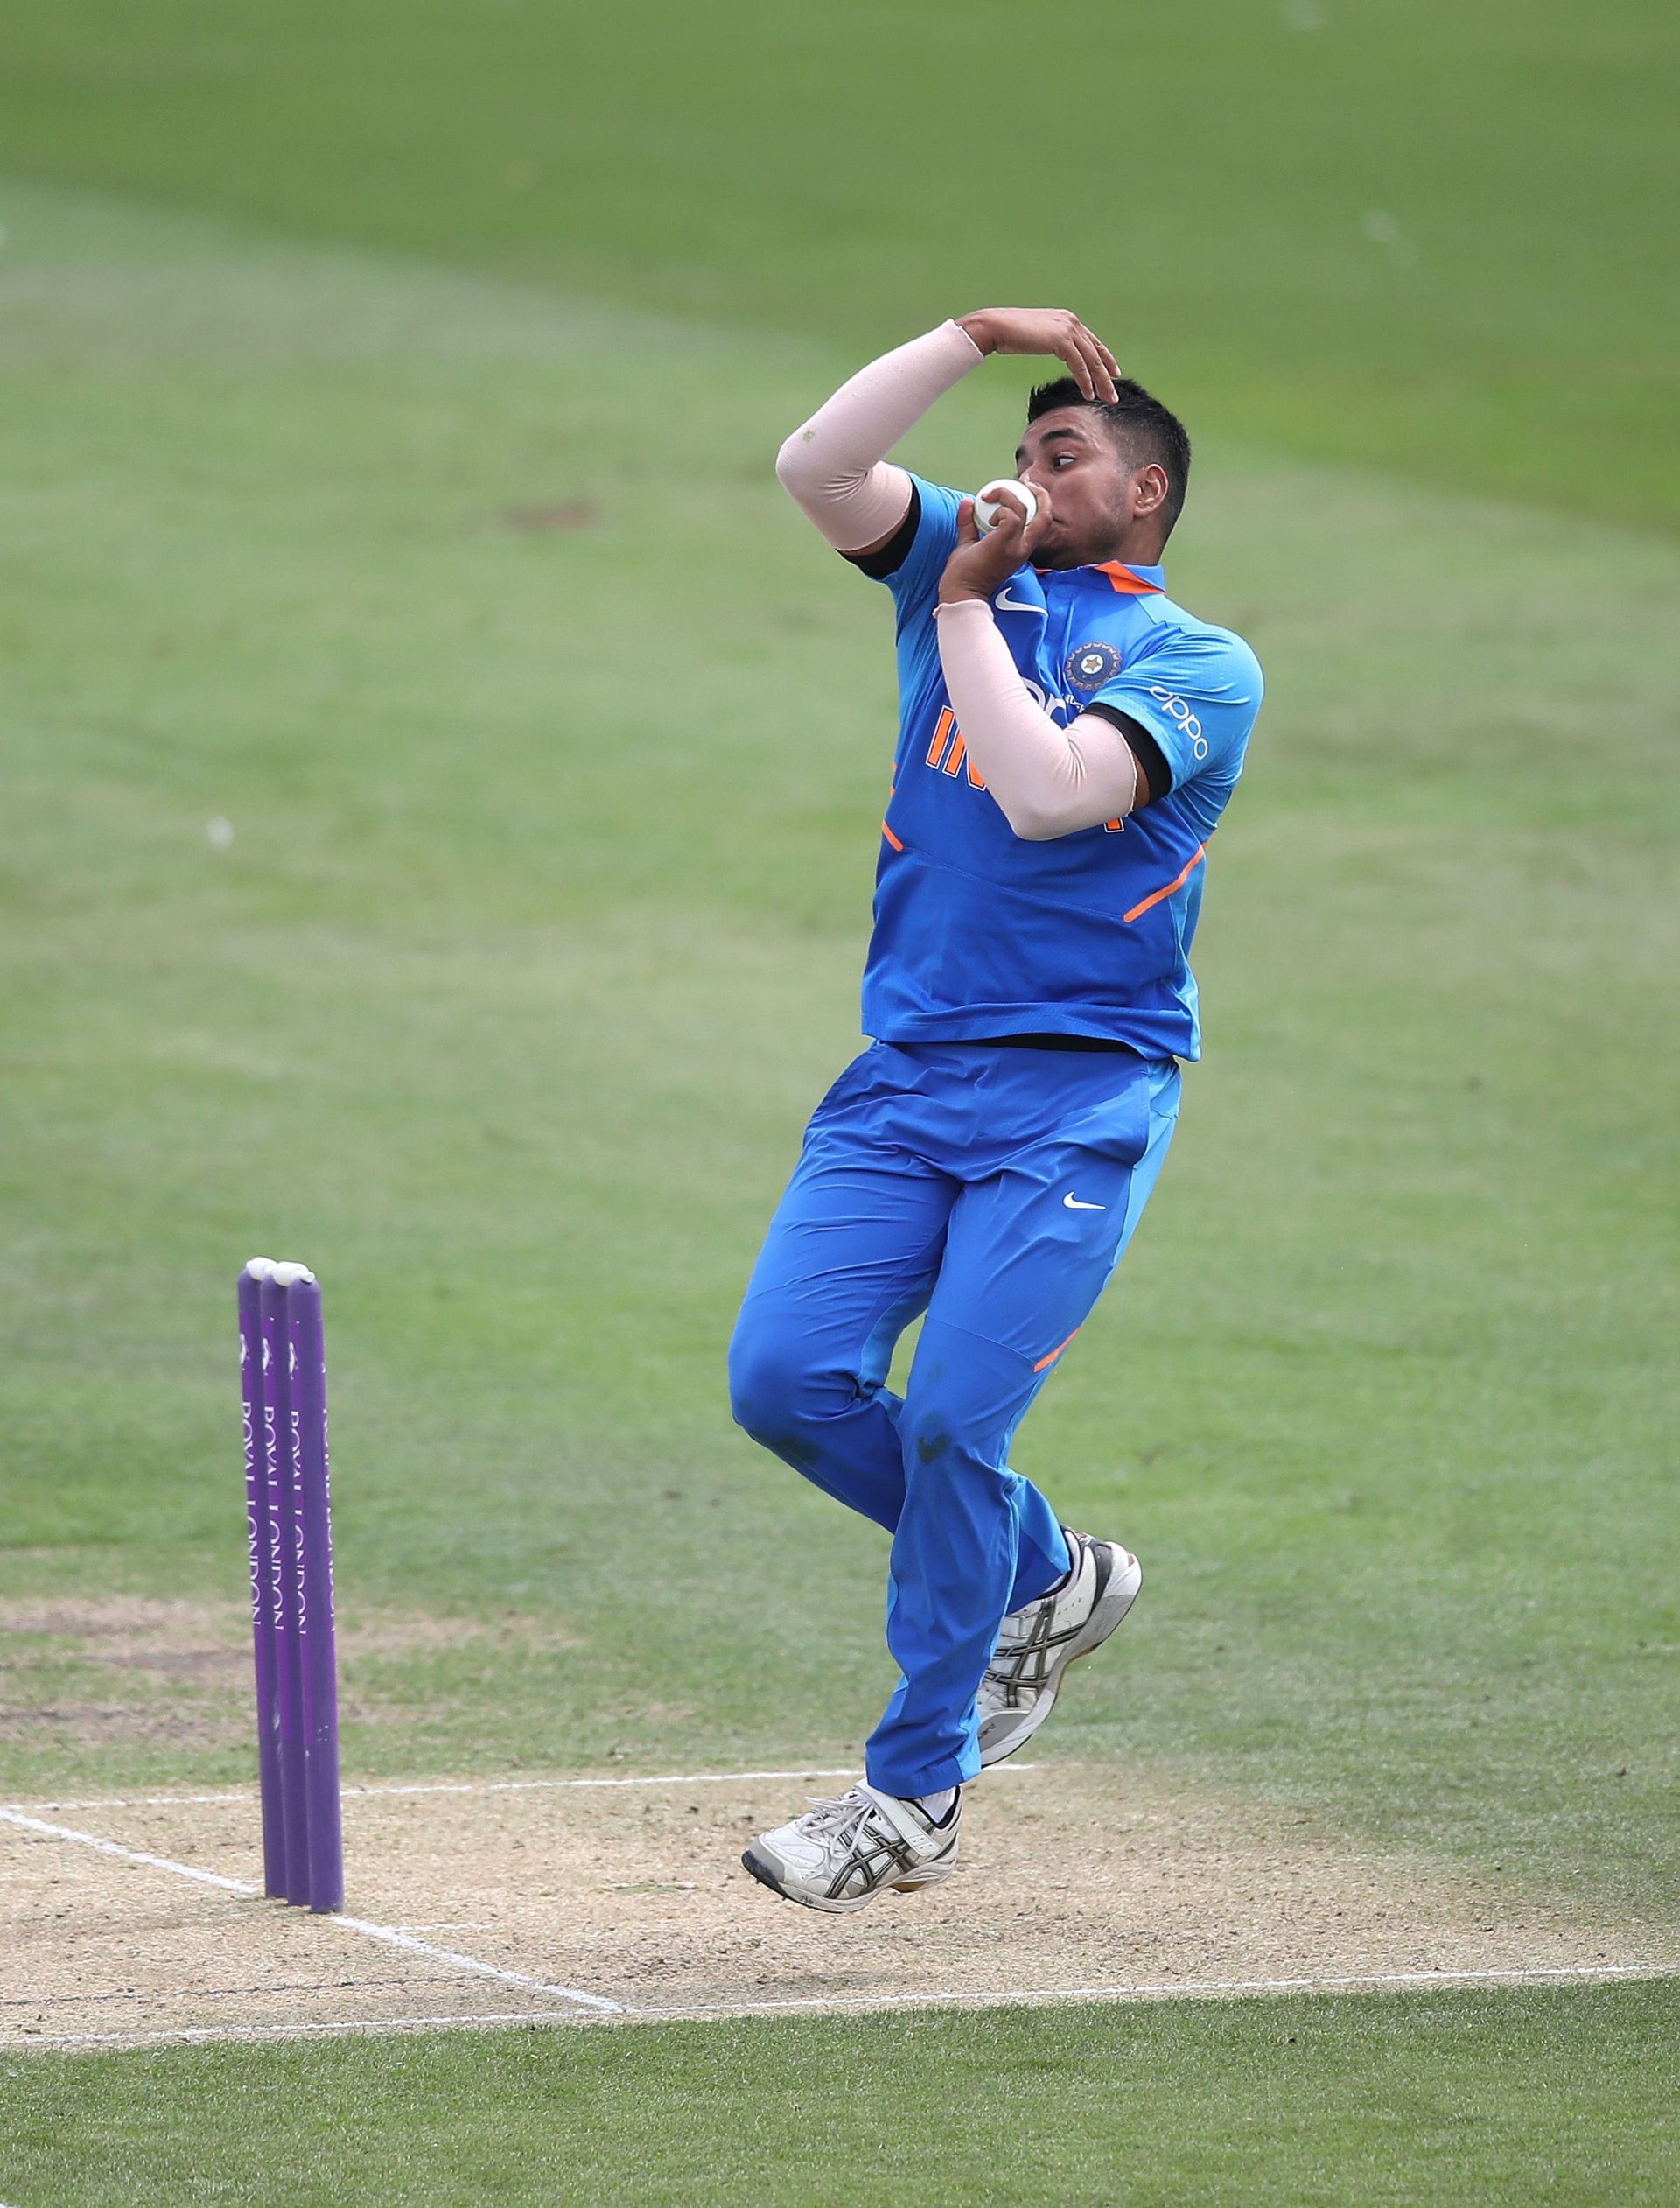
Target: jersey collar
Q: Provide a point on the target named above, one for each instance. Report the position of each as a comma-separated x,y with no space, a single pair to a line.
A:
1129,581
1133,582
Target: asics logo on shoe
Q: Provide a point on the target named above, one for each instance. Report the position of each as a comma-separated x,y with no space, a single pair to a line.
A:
1073,1203
842,1852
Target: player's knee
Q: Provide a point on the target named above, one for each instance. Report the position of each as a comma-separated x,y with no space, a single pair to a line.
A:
772,1387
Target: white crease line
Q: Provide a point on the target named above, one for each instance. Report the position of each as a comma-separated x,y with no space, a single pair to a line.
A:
190,2035
550,1785
841,2004
394,1939
129,1854
477,1787
368,1931
1027,1996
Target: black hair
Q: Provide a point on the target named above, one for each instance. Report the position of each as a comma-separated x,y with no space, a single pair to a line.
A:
1140,425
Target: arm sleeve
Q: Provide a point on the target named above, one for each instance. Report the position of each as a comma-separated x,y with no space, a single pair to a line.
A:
1047,779
834,465
1157,775
1196,692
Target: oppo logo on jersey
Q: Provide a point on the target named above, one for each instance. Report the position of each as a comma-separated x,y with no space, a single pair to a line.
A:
1185,717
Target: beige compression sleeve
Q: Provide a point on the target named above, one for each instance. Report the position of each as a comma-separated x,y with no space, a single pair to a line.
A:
835,465
1049,781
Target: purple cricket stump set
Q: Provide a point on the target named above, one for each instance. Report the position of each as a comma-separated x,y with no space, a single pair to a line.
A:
287,1507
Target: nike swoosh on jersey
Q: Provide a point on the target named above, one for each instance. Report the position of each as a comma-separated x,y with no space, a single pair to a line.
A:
1073,1203
1009,604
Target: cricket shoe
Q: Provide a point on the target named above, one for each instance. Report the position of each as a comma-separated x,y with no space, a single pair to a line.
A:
840,1854
1037,1644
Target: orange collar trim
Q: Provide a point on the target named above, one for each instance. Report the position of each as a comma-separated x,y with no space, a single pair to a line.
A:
1129,584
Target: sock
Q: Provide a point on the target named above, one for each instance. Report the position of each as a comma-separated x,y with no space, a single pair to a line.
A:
938,1806
1068,1576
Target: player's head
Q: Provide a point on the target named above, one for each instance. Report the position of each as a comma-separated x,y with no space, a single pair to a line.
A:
1116,471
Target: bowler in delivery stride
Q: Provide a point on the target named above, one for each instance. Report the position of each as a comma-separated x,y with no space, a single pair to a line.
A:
1068,740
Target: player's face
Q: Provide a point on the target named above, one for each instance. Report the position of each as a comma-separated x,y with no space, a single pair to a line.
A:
1070,457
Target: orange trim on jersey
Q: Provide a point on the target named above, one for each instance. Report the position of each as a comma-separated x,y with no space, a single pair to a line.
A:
1054,1353
943,728
1128,584
1113,827
976,780
958,751
891,837
1177,882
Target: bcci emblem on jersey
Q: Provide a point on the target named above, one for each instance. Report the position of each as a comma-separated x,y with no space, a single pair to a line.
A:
1088,666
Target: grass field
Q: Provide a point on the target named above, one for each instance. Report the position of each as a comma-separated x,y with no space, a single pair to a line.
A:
464,595
1428,237
1496,2098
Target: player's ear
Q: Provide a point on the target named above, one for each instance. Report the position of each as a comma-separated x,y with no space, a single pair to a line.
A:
1148,489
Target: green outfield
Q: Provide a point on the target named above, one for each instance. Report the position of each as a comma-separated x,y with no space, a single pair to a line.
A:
413,862
1429,236
1499,2099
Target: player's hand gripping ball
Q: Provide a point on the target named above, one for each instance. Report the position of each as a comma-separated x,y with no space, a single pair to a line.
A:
989,495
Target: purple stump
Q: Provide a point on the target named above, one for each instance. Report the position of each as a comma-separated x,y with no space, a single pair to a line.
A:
320,1701
280,1442
259,1528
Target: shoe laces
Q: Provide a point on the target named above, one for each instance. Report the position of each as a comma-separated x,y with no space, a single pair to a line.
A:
836,1818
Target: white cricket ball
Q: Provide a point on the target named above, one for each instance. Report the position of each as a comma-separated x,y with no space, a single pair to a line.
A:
987,497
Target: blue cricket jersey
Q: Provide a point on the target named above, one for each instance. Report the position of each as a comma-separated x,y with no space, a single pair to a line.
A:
979,932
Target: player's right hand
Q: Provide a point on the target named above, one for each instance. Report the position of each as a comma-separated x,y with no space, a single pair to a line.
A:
1055,331
979,565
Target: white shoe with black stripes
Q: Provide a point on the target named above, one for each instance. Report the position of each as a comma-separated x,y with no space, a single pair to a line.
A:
841,1853
1037,1644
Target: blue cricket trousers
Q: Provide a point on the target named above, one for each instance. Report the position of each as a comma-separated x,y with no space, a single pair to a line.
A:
993,1187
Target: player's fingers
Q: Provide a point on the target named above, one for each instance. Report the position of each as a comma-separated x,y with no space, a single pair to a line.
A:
1105,368
968,530
1101,381
1072,353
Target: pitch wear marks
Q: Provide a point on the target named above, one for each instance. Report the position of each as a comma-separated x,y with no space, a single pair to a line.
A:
979,932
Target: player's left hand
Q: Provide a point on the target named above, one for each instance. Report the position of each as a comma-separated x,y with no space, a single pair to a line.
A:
982,564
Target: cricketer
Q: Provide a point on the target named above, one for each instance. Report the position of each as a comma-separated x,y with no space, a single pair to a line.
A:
1068,739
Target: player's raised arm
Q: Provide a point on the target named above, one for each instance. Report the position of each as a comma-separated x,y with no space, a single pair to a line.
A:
834,465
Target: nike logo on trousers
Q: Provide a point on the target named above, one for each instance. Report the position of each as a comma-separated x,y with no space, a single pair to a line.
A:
1073,1203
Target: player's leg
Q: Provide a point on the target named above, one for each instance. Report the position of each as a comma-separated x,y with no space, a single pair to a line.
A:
849,1259
1023,1268
1039,1640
